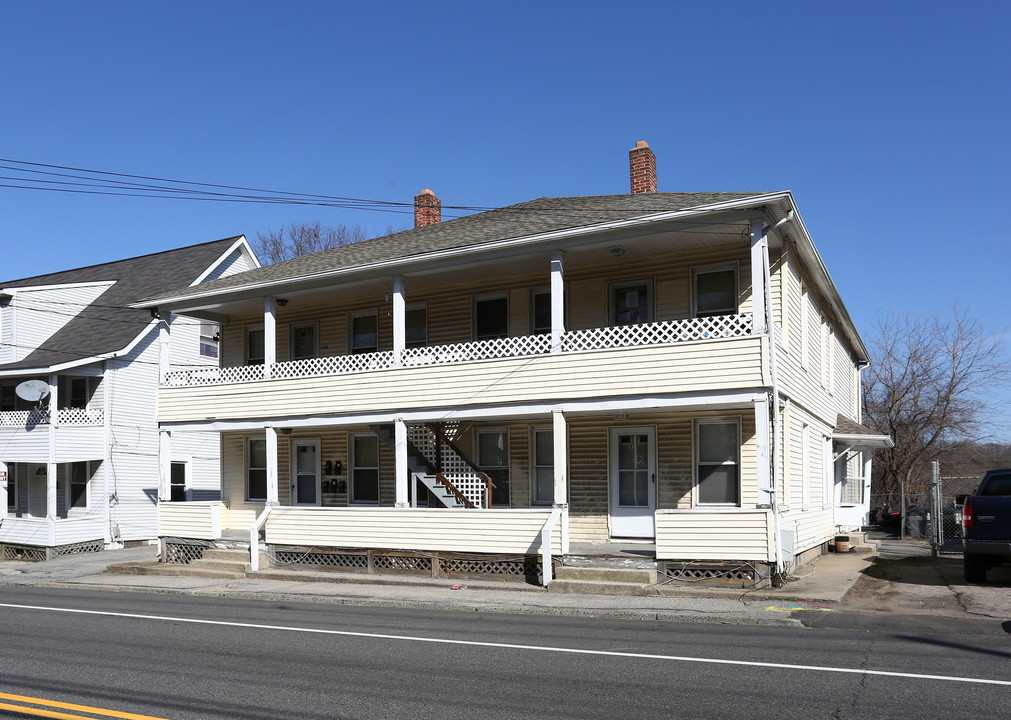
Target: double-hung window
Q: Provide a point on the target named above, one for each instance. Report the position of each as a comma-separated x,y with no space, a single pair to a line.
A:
364,332
364,470
631,303
717,462
80,474
303,341
208,340
177,482
544,467
255,352
491,317
416,330
715,291
256,469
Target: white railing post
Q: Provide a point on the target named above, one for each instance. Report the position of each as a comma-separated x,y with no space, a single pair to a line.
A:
254,539
546,530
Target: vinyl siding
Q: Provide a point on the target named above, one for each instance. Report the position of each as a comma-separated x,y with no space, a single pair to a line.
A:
715,535
702,366
487,531
38,314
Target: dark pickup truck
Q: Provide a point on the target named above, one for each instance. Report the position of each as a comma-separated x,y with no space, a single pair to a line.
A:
986,525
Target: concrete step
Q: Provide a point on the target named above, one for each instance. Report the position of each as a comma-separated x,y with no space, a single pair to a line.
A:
603,574
221,565
596,587
172,570
226,554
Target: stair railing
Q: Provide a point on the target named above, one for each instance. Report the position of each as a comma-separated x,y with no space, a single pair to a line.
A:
454,455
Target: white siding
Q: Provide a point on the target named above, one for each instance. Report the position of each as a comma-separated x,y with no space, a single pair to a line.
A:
39,313
715,535
484,531
688,367
197,520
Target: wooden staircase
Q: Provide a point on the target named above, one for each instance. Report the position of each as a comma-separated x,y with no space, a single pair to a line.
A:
423,470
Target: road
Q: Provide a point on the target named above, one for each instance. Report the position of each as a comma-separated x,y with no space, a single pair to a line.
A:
182,657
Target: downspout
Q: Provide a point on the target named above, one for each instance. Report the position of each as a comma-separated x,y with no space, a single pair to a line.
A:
777,430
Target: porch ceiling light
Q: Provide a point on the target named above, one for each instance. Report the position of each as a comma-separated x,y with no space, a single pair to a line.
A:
617,251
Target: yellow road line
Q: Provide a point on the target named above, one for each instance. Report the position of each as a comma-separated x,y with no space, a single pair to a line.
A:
65,706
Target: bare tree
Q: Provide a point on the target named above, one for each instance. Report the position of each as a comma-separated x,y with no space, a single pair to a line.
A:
932,389
303,238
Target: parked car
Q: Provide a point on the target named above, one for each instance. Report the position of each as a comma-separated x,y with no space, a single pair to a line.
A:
986,525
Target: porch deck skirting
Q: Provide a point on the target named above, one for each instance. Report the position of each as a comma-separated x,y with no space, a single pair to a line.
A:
44,532
468,531
197,520
717,534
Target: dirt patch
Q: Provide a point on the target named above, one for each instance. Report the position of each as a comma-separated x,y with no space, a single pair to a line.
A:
908,585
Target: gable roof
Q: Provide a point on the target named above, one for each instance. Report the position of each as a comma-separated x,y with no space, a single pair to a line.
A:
108,324
526,219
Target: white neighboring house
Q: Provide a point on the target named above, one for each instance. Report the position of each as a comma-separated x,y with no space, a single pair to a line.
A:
79,467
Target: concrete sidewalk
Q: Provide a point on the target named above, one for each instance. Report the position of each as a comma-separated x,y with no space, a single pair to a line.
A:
821,583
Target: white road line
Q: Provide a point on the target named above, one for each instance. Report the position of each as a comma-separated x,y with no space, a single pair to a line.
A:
512,646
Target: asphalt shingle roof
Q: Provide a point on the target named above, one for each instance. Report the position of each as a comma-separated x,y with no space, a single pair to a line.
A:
107,324
514,221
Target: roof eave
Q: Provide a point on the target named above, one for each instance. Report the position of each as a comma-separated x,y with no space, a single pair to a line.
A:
180,302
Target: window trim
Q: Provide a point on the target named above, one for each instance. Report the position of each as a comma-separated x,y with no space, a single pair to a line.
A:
213,340
12,489
68,492
186,479
354,315
291,339
247,359
248,445
720,268
353,466
540,290
414,307
696,462
534,466
485,298
650,300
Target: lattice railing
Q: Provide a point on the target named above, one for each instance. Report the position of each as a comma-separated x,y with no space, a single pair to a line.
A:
214,375
80,416
24,417
659,333
332,365
480,350
453,466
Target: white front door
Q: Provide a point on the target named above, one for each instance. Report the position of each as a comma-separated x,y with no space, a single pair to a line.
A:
37,491
305,472
633,482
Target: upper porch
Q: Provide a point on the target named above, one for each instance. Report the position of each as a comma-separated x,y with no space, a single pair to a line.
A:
659,313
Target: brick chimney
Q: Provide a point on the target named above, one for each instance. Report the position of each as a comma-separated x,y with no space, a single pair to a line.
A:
642,168
427,209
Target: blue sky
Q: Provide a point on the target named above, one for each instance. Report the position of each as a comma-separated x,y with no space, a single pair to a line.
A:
888,121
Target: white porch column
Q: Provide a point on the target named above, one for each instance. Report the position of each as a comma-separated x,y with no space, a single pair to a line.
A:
866,499
51,465
164,350
399,320
164,466
759,244
269,336
5,478
560,444
557,301
272,495
763,455
400,451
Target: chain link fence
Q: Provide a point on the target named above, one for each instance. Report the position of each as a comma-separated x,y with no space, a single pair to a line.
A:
931,516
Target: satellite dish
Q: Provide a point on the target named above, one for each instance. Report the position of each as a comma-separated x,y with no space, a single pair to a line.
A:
32,390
